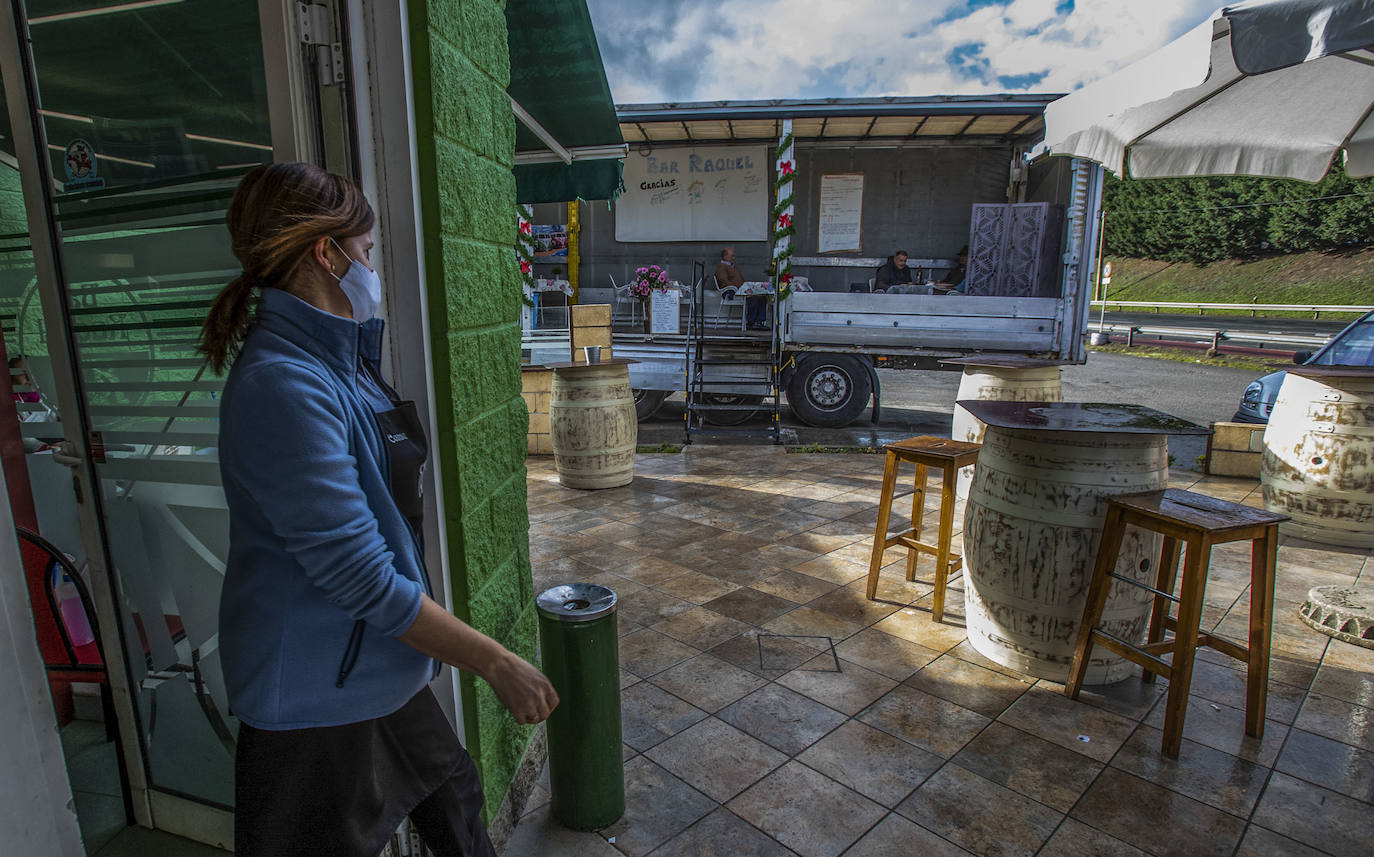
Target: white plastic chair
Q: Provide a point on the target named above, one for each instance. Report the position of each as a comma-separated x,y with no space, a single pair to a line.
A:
689,297
727,301
623,296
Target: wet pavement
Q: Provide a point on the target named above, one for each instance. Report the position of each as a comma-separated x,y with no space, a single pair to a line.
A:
745,733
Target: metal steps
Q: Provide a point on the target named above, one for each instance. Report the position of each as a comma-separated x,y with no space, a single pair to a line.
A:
731,377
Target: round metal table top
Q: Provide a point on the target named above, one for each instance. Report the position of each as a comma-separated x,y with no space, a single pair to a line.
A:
1079,417
609,361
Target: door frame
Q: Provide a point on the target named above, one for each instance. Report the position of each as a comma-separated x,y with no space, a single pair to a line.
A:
388,155
387,159
388,164
290,113
20,82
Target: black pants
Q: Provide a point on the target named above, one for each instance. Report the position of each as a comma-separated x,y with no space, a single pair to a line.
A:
450,820
755,309
340,791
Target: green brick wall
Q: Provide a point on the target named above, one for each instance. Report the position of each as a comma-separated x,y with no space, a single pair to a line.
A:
466,148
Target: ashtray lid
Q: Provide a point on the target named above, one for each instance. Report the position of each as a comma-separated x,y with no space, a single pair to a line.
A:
576,602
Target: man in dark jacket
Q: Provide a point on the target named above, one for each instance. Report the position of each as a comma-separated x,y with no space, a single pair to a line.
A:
954,280
894,273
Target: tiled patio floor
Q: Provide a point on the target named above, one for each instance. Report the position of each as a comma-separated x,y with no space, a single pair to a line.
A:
741,747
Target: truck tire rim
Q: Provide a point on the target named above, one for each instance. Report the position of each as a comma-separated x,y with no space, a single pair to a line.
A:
828,388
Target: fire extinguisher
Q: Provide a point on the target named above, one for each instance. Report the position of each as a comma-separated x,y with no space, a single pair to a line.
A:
72,610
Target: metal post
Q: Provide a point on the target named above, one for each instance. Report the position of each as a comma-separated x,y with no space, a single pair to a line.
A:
1101,243
574,253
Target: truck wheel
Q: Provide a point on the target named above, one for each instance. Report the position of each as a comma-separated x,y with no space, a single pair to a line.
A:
647,403
731,417
829,390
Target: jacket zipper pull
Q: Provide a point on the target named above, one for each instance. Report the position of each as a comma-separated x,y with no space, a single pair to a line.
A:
350,657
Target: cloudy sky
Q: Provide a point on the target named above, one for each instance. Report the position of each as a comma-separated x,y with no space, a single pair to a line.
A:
706,50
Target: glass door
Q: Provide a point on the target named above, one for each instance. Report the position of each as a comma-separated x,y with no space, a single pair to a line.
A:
132,124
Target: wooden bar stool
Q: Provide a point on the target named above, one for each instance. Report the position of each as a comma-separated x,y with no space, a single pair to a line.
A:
925,452
1200,522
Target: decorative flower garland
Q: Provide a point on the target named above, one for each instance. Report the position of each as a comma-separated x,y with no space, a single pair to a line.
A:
524,251
783,228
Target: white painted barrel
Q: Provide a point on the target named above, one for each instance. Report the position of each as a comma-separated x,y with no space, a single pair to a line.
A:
593,426
1318,465
998,384
1031,532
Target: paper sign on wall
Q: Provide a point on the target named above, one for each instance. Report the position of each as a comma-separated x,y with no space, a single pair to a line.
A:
664,308
842,204
696,193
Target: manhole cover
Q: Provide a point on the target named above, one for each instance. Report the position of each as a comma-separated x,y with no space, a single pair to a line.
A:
1343,612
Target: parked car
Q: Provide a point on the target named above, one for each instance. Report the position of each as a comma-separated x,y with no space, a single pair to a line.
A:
1353,346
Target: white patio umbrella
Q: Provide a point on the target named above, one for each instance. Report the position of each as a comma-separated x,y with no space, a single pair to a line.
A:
1265,88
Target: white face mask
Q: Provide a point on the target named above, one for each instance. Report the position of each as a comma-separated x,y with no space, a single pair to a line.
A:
362,287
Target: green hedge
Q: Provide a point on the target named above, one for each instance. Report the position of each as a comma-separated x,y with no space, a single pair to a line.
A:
1206,219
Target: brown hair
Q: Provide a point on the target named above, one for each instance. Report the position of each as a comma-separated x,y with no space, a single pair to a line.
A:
278,211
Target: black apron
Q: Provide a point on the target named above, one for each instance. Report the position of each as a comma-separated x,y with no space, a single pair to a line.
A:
406,450
340,791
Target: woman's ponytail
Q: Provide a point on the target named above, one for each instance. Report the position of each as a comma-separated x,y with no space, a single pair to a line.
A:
222,334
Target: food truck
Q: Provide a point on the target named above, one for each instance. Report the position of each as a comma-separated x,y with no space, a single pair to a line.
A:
865,179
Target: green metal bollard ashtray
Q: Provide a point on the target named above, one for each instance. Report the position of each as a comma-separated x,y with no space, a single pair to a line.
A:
577,630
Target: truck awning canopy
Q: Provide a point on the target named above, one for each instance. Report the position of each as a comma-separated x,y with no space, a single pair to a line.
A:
1012,118
567,143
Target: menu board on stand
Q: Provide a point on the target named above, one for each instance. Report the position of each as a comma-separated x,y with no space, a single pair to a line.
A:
664,311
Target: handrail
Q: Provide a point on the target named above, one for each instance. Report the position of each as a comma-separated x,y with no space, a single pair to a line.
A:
1315,309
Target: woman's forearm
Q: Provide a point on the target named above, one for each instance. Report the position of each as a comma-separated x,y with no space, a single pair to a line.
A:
524,690
441,635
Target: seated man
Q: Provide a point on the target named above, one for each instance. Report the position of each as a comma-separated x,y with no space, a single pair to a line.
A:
728,276
894,273
954,280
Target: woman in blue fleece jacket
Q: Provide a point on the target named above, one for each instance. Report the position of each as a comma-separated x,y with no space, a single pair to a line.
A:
328,634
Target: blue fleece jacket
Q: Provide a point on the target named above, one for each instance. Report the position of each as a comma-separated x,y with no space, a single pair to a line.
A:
324,572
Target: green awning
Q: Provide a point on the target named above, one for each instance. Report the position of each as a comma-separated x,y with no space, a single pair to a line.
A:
556,76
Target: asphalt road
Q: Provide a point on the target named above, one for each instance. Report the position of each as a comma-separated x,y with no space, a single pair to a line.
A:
922,402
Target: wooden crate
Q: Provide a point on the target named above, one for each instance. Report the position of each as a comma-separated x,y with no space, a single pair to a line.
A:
1235,449
590,324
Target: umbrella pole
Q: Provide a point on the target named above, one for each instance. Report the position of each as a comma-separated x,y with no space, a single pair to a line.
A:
1101,243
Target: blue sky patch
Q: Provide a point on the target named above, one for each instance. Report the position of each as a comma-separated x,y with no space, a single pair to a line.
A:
956,11
968,59
1021,81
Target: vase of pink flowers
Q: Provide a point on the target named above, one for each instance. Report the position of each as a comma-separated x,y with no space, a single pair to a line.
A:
647,280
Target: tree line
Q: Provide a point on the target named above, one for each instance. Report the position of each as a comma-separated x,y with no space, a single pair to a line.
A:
1206,219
